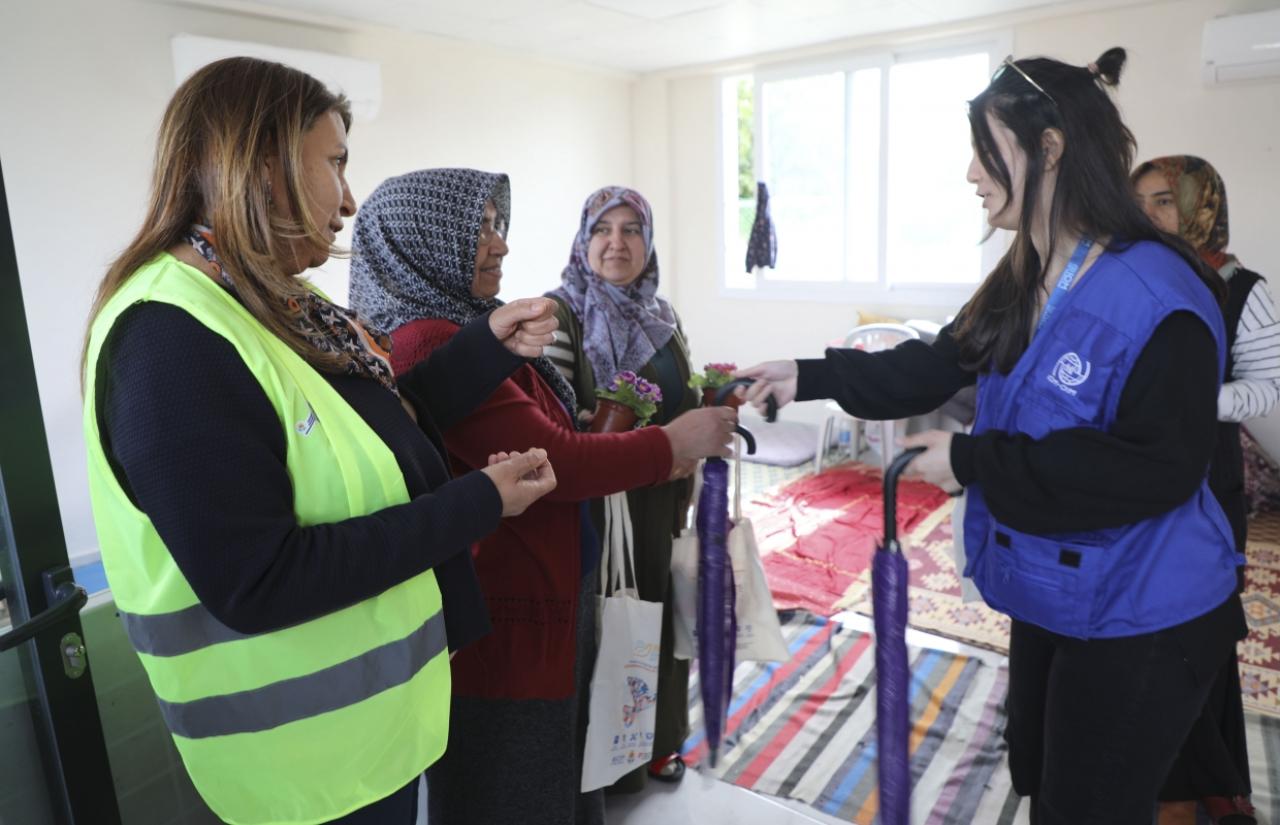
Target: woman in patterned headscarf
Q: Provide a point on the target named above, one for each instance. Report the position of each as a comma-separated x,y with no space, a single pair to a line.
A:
612,319
429,248
1184,195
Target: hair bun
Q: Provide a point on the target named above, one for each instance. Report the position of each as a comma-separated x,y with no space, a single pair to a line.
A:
1107,67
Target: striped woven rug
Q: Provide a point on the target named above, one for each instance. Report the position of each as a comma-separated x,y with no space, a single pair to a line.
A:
805,729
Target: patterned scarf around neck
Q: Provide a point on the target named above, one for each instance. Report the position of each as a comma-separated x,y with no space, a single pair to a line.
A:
414,253
1201,198
329,327
622,326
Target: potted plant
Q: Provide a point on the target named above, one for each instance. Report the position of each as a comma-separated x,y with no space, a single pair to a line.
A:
711,379
628,402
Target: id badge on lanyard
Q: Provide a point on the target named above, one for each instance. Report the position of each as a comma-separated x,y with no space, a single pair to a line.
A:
1065,280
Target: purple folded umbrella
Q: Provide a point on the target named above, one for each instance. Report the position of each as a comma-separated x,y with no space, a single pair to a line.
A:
893,677
717,624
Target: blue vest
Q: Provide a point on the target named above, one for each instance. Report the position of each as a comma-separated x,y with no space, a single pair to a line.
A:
1120,581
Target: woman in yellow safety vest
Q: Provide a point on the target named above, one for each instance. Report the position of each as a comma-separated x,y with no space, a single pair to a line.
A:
286,548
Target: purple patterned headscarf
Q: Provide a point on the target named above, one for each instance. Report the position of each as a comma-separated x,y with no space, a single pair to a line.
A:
622,326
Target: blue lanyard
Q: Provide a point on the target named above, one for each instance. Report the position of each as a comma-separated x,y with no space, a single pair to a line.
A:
1065,280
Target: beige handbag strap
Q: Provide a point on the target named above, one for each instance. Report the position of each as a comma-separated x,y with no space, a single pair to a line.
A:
737,479
618,558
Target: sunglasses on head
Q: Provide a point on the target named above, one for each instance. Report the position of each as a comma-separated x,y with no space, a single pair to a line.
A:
1008,63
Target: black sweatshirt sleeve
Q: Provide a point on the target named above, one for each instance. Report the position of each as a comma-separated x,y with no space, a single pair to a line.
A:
471,365
910,379
199,447
1152,460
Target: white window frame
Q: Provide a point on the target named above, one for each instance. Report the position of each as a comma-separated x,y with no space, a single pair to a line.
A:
737,284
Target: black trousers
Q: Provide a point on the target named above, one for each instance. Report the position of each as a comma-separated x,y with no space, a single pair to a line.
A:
401,808
1094,726
1215,758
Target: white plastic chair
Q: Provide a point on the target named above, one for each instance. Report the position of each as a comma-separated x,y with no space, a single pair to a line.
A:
870,338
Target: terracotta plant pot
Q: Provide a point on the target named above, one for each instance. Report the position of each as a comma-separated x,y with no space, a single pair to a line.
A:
612,417
709,398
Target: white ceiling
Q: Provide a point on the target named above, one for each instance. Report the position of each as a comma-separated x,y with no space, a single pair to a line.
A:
644,35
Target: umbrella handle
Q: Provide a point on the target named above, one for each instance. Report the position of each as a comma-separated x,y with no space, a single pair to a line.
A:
771,411
891,495
770,403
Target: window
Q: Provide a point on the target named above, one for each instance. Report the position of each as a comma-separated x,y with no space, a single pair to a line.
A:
865,162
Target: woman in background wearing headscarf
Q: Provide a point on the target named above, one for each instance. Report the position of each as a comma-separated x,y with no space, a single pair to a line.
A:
1184,195
428,251
612,319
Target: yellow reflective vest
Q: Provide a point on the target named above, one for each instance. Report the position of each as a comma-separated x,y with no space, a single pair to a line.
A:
307,723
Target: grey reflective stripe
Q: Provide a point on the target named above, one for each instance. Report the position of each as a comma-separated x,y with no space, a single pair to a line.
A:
302,697
176,633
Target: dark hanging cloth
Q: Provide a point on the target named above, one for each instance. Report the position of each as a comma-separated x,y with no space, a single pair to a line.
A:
762,248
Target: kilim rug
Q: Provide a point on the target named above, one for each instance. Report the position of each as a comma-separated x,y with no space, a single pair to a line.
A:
1260,652
933,592
817,534
805,729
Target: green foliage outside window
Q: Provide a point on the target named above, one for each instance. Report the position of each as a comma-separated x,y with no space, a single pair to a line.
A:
746,135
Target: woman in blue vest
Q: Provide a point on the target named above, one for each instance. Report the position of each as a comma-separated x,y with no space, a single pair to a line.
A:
285,544
1097,346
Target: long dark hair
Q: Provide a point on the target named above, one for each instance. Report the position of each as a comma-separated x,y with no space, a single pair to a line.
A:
1093,195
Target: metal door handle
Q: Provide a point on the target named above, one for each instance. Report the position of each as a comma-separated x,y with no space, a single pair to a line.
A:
69,597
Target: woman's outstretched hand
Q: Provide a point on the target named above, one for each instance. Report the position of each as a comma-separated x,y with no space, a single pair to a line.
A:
525,325
934,464
521,478
699,434
776,378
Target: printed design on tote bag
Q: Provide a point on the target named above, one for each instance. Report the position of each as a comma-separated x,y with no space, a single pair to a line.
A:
641,698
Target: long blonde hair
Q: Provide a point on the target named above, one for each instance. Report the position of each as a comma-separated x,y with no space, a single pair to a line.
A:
217,134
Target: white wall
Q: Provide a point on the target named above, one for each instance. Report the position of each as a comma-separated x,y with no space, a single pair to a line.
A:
82,87
83,83
1161,96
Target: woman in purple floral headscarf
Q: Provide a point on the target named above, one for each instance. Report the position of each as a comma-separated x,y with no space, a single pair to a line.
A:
611,320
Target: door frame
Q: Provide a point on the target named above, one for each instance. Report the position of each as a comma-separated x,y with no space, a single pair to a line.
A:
65,709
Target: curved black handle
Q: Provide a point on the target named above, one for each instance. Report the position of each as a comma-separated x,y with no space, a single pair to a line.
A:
722,395
70,598
770,403
891,494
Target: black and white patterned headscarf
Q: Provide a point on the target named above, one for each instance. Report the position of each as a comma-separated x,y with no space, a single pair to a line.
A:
414,253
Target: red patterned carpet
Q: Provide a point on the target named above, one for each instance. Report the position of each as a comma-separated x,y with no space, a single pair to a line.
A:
818,535
934,602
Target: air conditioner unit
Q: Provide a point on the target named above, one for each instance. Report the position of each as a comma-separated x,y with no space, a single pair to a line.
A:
1241,47
359,80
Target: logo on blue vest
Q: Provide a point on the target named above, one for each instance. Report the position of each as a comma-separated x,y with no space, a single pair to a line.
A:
1070,372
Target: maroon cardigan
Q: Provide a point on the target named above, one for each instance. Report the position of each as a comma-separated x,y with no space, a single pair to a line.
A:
529,568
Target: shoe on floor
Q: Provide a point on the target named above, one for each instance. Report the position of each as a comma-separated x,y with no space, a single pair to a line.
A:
667,769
